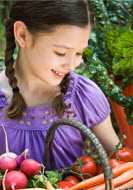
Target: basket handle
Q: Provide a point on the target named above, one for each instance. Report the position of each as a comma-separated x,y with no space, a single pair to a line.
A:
91,136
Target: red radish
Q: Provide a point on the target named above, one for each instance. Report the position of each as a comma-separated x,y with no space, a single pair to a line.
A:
7,153
7,163
30,167
15,180
22,156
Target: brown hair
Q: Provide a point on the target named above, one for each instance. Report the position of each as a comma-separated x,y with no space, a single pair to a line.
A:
40,16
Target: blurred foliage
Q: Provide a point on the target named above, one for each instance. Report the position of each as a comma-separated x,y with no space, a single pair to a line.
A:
4,9
2,40
121,49
109,56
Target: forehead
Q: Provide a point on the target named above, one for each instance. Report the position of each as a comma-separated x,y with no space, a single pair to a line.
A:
67,34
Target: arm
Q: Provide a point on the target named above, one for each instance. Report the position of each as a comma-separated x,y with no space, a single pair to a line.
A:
106,134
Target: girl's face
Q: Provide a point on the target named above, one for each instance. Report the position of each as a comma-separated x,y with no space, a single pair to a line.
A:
55,54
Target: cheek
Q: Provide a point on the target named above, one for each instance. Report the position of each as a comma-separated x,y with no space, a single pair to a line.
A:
42,58
44,62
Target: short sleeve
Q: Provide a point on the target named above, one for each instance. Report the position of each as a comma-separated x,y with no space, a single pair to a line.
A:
5,90
89,102
3,101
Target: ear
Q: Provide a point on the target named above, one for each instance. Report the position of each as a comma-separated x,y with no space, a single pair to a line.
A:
22,36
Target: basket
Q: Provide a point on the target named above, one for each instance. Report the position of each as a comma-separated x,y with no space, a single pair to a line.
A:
91,137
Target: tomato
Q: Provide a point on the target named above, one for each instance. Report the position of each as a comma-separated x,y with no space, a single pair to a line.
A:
99,169
68,182
125,154
89,167
72,180
64,185
85,159
112,162
85,165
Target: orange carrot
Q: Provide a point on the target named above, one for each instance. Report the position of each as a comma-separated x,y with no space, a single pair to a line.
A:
96,180
129,184
99,179
123,178
118,181
93,188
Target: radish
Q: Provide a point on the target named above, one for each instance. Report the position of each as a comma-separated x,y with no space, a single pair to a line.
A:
22,156
30,167
7,153
7,163
15,180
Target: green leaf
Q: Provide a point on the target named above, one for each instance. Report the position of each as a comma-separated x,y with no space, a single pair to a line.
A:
54,177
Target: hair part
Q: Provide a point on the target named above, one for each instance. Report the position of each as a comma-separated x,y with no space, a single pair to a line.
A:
40,16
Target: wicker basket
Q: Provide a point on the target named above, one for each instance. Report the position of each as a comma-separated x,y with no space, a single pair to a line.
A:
93,139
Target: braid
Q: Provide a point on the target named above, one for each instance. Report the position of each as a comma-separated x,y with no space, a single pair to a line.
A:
17,103
58,103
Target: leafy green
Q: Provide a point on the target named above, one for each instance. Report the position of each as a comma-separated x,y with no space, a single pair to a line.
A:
123,67
120,44
40,180
37,181
54,177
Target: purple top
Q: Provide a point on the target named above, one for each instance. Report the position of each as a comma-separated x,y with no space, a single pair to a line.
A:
86,103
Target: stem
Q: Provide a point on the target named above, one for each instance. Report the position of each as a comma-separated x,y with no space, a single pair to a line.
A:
80,175
115,149
43,168
3,180
6,139
13,187
25,153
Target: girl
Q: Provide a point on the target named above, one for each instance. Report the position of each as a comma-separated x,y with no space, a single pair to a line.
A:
40,85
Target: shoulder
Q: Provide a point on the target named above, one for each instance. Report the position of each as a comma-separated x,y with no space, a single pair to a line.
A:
89,100
5,89
3,81
84,84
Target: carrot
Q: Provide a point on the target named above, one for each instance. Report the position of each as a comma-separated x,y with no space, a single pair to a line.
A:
129,184
99,179
93,188
118,181
96,180
123,178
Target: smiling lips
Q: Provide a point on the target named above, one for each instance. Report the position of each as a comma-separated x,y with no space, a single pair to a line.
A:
59,74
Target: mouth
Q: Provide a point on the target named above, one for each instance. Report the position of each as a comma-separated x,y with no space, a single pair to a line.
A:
58,74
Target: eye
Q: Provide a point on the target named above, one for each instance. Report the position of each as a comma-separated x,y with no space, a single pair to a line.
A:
60,54
79,54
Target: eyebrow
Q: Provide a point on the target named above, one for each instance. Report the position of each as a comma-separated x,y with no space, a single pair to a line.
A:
64,46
